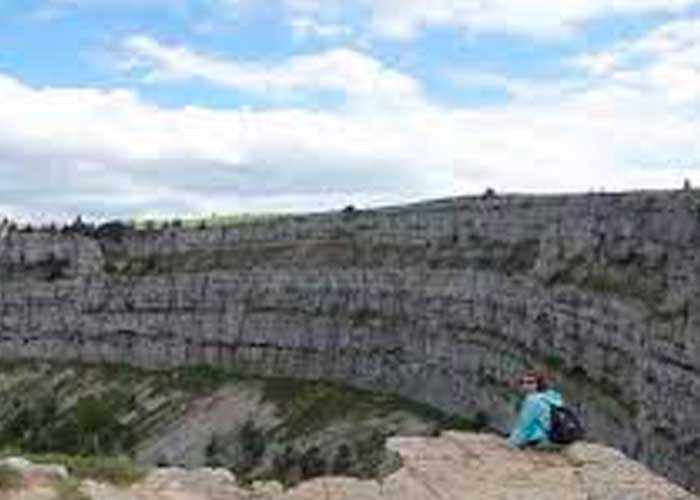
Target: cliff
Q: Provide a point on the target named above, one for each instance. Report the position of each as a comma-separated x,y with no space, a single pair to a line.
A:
453,466
444,302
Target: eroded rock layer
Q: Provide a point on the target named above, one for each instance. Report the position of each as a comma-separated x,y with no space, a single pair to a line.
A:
444,302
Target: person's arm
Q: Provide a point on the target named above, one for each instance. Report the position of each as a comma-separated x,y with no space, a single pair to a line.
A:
520,435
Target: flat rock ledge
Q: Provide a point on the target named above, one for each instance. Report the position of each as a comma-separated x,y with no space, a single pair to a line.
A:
454,466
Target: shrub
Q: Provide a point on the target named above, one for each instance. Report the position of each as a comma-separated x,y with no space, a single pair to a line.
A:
252,441
342,461
287,467
96,423
10,479
312,463
212,453
553,361
481,420
114,230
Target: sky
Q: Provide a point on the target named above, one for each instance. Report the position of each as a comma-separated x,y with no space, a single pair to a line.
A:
175,108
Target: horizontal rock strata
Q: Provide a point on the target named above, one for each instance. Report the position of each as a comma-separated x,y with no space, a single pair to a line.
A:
444,302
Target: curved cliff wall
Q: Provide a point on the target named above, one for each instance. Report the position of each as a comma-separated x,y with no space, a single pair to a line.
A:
444,302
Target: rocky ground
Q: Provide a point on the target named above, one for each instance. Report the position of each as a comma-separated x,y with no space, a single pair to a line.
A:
450,467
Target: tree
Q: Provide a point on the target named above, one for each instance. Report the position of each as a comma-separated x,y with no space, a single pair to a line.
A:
94,419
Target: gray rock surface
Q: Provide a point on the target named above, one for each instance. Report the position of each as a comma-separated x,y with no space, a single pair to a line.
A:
452,467
444,302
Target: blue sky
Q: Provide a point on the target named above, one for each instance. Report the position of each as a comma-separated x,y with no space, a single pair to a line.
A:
140,108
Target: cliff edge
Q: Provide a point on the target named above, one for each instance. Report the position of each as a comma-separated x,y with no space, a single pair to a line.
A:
443,302
452,466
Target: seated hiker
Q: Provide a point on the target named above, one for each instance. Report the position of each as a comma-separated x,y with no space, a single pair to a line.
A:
534,419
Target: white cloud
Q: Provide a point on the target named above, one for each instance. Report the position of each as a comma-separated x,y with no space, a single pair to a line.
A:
78,150
50,10
304,27
67,151
666,63
357,75
541,18
113,3
112,154
404,19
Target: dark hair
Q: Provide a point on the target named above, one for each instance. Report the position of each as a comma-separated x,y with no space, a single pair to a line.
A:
540,379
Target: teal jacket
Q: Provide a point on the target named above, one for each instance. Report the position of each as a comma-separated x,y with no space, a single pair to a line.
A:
533,420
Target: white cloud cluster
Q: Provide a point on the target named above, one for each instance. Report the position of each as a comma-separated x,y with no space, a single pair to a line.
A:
344,70
48,10
306,27
404,19
666,63
541,18
65,151
69,151
112,3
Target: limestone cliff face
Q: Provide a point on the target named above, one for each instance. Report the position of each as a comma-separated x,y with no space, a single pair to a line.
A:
444,302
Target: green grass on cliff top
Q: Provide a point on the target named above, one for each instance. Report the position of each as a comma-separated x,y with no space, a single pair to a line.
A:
214,220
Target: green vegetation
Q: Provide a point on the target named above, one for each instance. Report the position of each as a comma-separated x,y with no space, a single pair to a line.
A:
88,417
119,471
250,445
604,281
503,256
605,394
69,489
554,361
365,316
624,280
201,378
241,256
252,442
90,426
96,424
308,406
10,478
214,220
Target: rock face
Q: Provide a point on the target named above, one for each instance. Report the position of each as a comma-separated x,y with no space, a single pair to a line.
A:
451,467
443,302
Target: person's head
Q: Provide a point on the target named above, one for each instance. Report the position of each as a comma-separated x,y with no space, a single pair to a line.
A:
533,381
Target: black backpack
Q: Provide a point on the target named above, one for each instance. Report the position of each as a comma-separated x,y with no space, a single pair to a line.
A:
565,427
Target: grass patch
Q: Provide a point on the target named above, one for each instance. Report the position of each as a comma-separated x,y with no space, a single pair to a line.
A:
10,479
605,282
364,317
619,281
69,489
214,220
201,378
118,471
242,256
308,406
505,256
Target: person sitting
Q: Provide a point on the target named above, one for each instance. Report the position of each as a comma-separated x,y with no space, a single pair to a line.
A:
534,419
